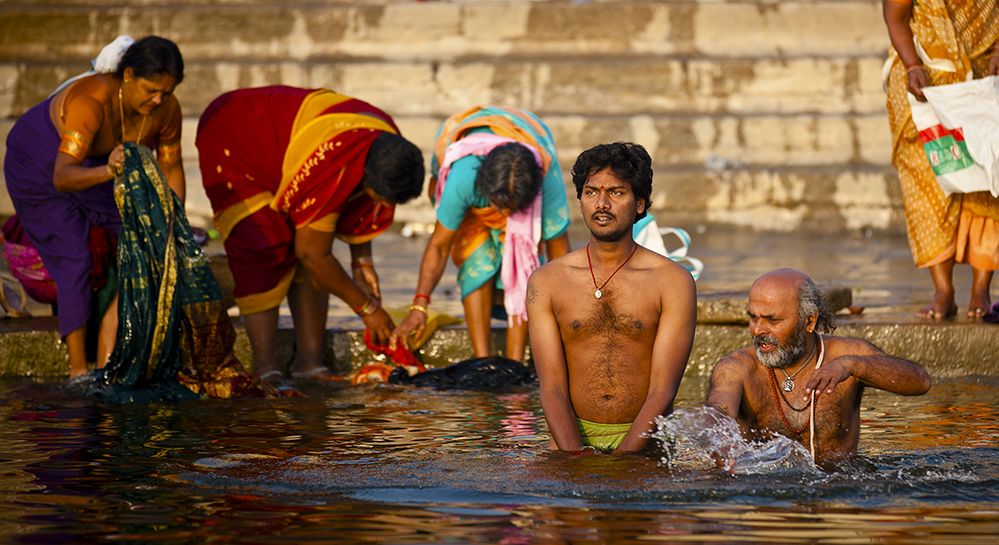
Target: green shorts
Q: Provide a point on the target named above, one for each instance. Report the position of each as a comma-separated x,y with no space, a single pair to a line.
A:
602,436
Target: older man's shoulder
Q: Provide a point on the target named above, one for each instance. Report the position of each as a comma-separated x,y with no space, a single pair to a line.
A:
838,346
738,363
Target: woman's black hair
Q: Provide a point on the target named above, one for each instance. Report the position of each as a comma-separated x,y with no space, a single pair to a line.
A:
394,168
151,57
509,177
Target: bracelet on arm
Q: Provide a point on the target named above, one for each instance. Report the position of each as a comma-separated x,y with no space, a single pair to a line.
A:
369,307
423,296
910,69
418,308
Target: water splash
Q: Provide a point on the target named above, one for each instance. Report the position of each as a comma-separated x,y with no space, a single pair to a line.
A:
704,438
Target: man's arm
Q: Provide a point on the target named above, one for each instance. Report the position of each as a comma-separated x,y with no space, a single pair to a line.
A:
670,351
871,367
312,248
550,364
726,389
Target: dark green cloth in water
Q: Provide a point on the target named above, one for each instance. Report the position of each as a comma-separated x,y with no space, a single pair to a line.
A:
174,339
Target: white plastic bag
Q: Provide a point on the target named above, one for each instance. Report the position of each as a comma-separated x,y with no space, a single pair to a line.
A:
959,128
972,106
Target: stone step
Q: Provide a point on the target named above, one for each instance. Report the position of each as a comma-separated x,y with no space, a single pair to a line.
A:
581,85
261,29
773,180
948,349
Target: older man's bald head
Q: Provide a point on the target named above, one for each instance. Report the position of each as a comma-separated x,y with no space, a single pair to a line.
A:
793,287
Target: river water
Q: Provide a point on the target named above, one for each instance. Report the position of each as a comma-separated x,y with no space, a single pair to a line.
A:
390,464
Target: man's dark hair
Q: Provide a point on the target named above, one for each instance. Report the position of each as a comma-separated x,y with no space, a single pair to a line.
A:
509,177
151,57
394,168
629,162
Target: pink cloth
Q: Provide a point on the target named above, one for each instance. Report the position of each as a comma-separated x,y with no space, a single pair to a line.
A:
523,228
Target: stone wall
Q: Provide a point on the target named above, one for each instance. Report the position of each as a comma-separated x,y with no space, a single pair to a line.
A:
762,114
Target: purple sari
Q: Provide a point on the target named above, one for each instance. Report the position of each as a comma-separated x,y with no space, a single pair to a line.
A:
57,223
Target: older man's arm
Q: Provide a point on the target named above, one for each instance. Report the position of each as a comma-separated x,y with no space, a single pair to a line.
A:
550,364
726,388
674,338
872,367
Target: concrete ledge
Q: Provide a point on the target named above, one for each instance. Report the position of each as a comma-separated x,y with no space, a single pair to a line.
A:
947,349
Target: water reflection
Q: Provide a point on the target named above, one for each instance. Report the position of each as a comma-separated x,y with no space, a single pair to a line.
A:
400,465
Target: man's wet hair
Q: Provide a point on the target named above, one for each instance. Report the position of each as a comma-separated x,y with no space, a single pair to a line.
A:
810,302
151,57
629,162
394,168
509,177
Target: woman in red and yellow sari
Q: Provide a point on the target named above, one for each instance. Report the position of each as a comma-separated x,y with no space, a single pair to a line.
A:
955,38
286,171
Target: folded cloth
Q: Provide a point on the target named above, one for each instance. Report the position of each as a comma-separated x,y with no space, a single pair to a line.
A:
435,321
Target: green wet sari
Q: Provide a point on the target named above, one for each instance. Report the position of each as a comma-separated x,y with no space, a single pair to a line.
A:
174,338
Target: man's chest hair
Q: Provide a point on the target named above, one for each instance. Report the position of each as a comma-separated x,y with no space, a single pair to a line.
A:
607,317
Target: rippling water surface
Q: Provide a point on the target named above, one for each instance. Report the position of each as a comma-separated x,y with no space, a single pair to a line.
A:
401,465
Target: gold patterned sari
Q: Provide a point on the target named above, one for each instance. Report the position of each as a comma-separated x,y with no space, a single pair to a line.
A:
963,226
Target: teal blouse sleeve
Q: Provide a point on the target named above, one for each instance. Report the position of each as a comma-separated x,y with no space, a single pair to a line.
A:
459,193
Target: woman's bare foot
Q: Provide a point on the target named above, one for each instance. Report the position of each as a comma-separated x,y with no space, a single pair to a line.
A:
941,307
979,305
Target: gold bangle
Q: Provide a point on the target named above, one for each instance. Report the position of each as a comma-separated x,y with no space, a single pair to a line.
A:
418,308
363,262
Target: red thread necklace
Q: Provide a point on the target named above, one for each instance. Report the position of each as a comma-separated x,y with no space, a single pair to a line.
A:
597,291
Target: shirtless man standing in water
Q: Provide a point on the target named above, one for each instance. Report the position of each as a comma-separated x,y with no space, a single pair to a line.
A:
767,386
610,325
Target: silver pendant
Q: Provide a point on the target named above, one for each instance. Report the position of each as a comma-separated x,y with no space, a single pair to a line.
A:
598,294
788,385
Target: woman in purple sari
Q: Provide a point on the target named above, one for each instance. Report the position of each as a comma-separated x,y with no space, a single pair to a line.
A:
62,156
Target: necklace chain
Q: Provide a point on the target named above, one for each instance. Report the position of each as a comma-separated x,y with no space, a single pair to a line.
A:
779,396
598,290
121,110
788,383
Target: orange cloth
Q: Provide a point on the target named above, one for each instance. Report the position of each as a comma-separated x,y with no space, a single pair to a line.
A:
963,32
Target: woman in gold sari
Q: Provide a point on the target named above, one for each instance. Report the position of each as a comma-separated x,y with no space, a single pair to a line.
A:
955,38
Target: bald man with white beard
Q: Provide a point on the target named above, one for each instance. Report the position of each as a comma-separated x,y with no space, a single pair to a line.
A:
767,386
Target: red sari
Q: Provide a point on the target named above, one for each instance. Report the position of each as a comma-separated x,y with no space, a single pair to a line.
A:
277,159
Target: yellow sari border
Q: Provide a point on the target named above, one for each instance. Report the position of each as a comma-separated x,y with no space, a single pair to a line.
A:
227,219
259,302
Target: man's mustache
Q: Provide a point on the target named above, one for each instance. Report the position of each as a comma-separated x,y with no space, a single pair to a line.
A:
764,339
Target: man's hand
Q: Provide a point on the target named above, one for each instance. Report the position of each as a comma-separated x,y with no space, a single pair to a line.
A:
413,325
380,325
828,377
917,80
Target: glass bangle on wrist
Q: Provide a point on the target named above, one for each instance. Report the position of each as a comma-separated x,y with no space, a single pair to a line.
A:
419,296
369,307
